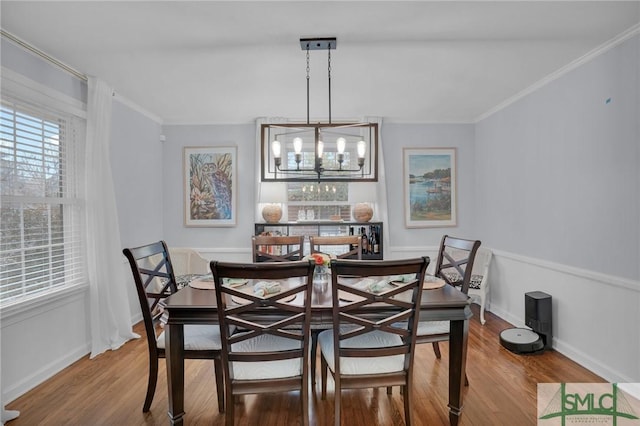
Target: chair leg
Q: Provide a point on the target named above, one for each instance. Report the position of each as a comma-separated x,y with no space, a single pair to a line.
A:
436,349
408,417
482,302
337,401
229,412
217,366
389,390
151,385
314,351
304,400
323,371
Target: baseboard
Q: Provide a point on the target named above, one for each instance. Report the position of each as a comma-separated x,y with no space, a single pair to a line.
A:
44,373
604,371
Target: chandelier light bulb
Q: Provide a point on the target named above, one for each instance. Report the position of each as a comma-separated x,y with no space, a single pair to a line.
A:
341,143
275,147
362,146
297,145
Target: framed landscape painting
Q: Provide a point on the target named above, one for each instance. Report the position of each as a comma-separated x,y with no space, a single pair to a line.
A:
429,187
210,189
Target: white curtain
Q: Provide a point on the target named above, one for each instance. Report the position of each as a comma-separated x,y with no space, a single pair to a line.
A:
110,312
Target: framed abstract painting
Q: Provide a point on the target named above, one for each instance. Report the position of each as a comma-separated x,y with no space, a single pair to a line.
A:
210,190
429,187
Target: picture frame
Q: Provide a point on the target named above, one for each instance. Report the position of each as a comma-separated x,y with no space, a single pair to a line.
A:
430,190
210,188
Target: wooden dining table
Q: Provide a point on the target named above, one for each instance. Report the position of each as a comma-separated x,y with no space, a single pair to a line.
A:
197,306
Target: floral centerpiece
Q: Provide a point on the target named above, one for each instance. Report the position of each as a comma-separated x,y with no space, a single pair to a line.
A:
322,261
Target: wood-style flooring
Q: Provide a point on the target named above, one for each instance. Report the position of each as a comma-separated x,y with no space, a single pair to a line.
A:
110,390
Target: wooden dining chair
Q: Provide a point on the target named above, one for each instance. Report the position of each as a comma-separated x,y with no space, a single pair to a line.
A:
155,280
374,324
342,247
270,352
456,257
351,245
268,248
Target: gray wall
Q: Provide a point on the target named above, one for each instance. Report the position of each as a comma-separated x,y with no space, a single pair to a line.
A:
558,171
136,156
235,238
395,137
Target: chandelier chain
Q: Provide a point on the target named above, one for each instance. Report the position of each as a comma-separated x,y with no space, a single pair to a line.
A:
308,68
329,75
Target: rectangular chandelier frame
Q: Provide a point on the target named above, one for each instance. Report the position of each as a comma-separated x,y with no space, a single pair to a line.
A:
332,166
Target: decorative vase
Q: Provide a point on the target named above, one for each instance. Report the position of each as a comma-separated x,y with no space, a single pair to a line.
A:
272,213
321,277
362,212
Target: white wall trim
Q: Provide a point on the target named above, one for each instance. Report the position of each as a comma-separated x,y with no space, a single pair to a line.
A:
34,306
608,45
612,280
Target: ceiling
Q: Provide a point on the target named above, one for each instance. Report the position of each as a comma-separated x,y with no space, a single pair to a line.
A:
230,62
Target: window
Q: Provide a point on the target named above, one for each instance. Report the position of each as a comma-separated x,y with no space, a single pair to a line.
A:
318,201
41,211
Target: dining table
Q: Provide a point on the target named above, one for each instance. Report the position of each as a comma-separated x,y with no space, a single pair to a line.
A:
192,305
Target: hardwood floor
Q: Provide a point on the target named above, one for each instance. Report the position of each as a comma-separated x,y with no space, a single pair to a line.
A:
110,390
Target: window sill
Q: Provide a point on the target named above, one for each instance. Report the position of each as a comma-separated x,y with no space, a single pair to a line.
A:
30,306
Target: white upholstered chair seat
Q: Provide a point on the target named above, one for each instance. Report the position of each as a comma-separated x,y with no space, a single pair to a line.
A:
354,365
197,338
426,328
267,369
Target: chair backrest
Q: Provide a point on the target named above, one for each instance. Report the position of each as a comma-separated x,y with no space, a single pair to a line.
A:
153,274
277,248
360,288
274,314
187,261
455,261
352,245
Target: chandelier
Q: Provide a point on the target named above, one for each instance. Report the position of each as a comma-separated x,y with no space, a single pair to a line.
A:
329,151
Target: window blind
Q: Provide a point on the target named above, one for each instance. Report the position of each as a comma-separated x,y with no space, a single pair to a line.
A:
41,226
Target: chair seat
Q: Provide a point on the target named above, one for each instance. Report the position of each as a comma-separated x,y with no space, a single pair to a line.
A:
197,338
354,365
426,328
267,369
456,279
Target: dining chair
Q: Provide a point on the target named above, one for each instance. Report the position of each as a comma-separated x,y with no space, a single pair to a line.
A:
351,245
375,319
456,257
272,315
341,246
267,248
155,280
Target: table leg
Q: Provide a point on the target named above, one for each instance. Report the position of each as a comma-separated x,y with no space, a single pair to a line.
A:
458,335
174,352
